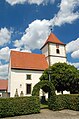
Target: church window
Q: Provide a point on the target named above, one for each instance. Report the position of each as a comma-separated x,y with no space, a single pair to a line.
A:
28,88
57,51
28,76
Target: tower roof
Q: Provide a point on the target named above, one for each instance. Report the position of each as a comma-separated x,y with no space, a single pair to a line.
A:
53,39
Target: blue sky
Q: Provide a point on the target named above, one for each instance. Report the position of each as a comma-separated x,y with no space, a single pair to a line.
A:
26,24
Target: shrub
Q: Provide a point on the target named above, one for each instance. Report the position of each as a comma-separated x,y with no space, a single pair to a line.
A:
65,102
19,106
41,85
48,87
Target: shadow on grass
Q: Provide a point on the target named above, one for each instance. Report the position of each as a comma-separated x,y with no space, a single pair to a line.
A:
43,106
43,103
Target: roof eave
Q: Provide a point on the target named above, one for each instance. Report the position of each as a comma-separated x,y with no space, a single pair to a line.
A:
29,69
53,43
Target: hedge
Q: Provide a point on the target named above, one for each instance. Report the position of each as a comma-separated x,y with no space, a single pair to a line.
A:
42,84
65,102
19,106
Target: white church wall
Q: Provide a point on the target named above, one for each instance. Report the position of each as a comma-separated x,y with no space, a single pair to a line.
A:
19,81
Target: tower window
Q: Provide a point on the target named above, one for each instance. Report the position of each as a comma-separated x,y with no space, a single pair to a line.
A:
57,51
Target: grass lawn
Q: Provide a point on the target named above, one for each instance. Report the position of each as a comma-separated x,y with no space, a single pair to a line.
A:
43,106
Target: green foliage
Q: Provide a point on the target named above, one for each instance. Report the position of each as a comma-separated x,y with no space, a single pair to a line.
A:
65,102
41,85
64,77
19,106
44,106
51,90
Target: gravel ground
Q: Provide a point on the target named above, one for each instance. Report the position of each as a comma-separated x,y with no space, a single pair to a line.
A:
48,114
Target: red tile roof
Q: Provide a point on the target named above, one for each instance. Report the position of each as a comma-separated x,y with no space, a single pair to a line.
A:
24,60
3,84
53,39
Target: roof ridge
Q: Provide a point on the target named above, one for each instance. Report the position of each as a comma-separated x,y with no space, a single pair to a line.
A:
25,52
19,51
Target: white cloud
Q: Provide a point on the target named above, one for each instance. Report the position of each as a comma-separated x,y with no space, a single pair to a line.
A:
75,54
13,2
35,35
37,32
66,13
26,51
72,46
0,63
75,64
21,49
5,53
4,71
5,36
38,2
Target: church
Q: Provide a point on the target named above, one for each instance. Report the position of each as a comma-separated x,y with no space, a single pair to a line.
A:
25,68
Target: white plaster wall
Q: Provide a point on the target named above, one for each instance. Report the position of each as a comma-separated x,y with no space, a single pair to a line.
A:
56,60
53,50
19,77
45,50
9,77
64,92
54,57
47,60
0,94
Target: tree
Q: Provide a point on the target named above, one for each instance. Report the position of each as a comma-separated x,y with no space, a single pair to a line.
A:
63,76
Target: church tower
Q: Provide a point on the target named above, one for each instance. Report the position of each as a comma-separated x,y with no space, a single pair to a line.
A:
54,50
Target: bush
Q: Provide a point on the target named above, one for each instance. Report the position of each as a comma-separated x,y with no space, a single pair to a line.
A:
19,106
48,87
41,85
65,102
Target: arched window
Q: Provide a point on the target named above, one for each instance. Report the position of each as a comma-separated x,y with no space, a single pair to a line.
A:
57,51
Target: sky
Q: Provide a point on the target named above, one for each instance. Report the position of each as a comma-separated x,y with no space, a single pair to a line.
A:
26,24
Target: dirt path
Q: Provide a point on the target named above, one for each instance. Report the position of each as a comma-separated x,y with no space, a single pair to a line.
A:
48,114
